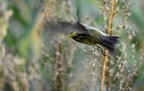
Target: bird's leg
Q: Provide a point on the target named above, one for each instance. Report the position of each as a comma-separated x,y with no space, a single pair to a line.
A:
101,50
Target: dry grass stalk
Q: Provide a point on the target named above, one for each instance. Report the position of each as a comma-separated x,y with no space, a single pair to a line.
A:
106,52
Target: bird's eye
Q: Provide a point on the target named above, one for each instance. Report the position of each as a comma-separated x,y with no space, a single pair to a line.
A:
80,36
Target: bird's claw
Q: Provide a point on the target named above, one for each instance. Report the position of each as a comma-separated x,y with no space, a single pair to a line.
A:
103,53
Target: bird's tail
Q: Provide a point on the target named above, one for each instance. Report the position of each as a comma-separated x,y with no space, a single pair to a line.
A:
109,42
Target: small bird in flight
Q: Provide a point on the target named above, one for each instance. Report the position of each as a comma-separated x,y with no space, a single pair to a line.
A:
83,34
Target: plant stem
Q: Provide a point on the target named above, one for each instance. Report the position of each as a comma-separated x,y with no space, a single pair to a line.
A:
108,75
59,78
106,51
103,72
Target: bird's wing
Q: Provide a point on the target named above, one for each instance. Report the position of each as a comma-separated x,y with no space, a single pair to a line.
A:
64,28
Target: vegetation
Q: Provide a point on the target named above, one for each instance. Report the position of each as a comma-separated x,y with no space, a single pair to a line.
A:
30,61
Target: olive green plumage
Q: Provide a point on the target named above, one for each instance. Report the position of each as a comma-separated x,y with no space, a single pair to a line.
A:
82,34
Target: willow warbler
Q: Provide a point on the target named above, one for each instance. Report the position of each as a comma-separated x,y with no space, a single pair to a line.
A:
83,34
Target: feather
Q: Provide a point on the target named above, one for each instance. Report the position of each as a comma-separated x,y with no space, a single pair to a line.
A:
65,28
109,42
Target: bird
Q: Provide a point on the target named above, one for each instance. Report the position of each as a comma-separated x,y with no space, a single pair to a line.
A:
82,34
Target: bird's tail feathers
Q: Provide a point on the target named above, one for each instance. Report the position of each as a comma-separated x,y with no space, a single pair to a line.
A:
109,42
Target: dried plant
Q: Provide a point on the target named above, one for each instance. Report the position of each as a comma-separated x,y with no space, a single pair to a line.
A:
38,63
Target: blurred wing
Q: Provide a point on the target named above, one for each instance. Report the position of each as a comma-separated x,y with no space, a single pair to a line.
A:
77,11
64,28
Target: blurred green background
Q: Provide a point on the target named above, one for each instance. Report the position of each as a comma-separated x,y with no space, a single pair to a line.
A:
33,62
